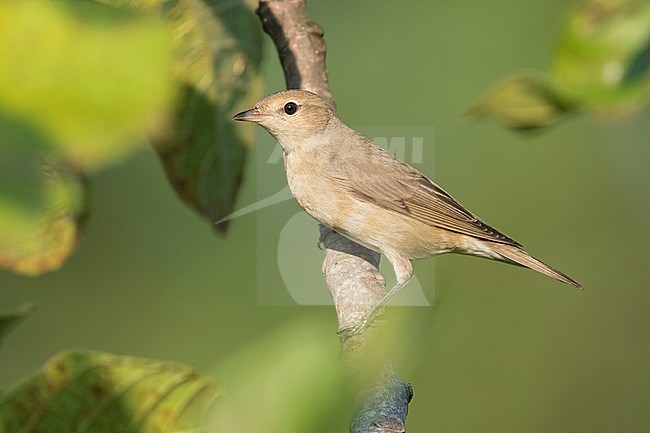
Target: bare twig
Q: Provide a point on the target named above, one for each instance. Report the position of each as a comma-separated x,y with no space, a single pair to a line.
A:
350,270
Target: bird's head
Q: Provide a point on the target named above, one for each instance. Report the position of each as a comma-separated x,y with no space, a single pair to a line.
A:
293,117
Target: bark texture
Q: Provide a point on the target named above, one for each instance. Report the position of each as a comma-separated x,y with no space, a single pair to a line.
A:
350,270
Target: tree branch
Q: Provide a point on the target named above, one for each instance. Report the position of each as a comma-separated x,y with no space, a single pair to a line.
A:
383,409
350,270
300,45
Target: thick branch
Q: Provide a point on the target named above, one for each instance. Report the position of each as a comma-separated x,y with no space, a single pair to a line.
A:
300,45
350,270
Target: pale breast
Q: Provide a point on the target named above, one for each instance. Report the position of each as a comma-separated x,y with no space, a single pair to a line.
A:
314,191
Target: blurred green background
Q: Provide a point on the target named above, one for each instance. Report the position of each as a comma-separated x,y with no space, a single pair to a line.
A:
502,349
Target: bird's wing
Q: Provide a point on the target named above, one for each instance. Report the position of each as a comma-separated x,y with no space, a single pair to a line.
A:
399,187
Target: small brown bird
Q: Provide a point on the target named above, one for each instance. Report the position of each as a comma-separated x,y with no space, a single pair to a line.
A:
348,183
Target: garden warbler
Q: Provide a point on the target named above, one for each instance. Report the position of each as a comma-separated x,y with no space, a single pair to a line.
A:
348,183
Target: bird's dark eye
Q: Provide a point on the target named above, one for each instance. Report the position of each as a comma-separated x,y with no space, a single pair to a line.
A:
290,108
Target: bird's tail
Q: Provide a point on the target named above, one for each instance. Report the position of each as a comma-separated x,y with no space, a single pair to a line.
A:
520,257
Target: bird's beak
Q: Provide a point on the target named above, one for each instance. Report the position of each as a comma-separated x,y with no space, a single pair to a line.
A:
252,115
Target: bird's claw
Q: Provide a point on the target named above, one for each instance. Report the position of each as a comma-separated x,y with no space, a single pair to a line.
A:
362,325
357,329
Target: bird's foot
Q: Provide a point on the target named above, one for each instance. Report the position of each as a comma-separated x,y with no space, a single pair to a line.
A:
361,326
353,330
367,320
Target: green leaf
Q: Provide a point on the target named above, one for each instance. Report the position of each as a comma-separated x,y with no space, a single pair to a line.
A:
522,103
217,52
639,66
80,85
217,55
43,202
99,392
91,79
9,320
290,380
601,61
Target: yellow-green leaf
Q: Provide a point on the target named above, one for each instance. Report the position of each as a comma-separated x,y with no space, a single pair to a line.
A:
290,380
522,103
95,392
92,79
43,203
600,57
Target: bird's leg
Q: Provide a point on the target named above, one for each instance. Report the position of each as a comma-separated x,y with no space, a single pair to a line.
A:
388,296
404,273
